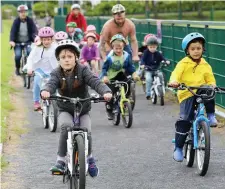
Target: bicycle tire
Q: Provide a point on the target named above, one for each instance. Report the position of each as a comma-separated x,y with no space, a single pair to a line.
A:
128,123
80,149
28,81
189,153
133,95
203,167
154,97
45,111
53,111
160,91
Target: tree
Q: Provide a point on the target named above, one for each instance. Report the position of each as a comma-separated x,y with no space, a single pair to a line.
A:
147,9
200,9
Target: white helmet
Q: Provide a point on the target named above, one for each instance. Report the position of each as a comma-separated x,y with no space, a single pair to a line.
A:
75,6
22,8
67,43
118,8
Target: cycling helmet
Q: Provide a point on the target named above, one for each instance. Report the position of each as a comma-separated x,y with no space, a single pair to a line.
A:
78,30
61,35
72,24
75,6
152,40
67,43
46,32
118,37
118,8
22,8
91,28
147,36
37,41
90,35
190,37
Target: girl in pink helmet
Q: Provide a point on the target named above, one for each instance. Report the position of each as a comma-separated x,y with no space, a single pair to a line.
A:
42,61
92,29
89,53
61,35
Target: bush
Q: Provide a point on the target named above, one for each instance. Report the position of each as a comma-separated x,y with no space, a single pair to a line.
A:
39,8
6,14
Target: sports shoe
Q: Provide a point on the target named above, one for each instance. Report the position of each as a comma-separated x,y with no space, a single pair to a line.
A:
178,154
92,168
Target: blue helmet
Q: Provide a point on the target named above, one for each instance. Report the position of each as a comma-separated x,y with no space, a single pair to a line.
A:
191,36
78,30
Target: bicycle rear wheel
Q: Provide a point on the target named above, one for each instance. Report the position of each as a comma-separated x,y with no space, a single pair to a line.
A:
160,91
78,178
203,151
128,115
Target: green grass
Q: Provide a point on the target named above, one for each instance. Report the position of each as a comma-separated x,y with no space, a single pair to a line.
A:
7,67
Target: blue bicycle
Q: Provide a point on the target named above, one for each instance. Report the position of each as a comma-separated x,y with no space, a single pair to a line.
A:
198,139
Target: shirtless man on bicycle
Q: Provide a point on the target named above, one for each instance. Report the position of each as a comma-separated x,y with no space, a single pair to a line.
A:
119,24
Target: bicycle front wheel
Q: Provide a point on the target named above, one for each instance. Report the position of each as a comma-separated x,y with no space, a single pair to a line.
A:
78,178
203,151
132,95
127,117
52,117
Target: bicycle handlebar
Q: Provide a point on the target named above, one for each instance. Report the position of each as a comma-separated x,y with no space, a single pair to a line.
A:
95,99
210,91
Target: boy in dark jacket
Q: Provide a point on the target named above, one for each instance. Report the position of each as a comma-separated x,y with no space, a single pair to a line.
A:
23,31
151,60
71,79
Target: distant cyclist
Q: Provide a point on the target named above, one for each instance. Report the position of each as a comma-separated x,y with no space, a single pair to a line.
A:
119,24
23,31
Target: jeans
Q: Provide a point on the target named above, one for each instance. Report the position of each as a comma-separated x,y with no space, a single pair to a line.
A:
149,80
18,53
39,75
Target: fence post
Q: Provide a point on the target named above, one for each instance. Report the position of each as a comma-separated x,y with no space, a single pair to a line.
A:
206,44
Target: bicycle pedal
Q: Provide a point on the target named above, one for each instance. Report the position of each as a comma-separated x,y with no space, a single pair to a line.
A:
58,173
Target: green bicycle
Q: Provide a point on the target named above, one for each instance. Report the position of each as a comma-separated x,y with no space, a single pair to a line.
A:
121,104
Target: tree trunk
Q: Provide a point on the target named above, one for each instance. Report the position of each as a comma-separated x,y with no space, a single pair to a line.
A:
147,9
200,9
154,8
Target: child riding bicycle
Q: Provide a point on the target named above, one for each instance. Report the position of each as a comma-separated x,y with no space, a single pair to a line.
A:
61,35
74,33
71,79
42,61
90,54
192,70
117,66
151,60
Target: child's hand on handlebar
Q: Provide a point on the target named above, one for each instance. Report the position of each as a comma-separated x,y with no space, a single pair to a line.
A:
107,96
29,72
174,84
105,79
135,76
142,66
45,94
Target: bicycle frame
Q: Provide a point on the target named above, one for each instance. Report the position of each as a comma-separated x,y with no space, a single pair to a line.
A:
156,82
123,99
198,118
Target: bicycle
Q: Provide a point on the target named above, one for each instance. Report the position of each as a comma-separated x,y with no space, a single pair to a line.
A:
158,86
49,111
122,105
77,145
198,139
26,78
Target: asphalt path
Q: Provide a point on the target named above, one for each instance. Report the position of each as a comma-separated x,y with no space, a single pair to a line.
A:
139,157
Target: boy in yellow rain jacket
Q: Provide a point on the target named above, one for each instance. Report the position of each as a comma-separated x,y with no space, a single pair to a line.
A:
192,70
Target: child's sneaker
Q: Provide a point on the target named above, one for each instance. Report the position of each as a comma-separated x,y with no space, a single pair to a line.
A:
37,106
178,154
92,168
212,120
58,167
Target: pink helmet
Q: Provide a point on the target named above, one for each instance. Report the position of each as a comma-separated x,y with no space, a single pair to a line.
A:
147,36
46,32
90,35
61,35
91,28
37,41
